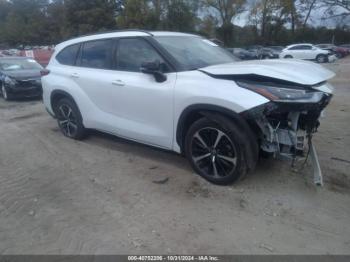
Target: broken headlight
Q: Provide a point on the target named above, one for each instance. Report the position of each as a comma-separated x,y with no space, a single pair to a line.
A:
9,81
282,94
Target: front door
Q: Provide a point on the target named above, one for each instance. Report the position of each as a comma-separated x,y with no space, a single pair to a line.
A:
144,106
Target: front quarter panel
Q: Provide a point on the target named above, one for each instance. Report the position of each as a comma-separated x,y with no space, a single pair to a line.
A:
195,87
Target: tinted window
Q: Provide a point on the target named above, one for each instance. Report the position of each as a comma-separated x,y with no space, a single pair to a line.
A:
68,55
306,47
132,53
301,47
97,54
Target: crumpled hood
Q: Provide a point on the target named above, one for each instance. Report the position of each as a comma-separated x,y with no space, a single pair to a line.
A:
292,70
23,74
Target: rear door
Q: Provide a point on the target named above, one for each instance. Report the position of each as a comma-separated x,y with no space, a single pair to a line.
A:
94,72
308,52
296,52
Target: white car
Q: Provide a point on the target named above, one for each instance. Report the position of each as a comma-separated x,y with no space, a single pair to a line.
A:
184,93
306,52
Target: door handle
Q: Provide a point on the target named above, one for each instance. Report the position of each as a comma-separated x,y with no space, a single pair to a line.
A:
74,75
118,83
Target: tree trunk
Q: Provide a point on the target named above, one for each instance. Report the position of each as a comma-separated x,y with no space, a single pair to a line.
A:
308,14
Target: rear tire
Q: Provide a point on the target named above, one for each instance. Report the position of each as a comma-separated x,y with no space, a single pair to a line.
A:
215,150
69,119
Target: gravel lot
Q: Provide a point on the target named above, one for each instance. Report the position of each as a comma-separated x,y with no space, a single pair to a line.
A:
109,196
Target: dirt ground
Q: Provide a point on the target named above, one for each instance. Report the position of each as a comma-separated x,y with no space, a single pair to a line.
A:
109,196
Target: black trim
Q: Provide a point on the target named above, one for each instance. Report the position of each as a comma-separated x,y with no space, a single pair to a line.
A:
177,67
76,55
81,49
154,44
59,92
201,109
210,111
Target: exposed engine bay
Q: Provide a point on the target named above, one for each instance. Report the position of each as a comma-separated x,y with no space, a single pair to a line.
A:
285,127
297,91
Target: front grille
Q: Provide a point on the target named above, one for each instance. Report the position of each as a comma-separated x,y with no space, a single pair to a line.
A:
27,83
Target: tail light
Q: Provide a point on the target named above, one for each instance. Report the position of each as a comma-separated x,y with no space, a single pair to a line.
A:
44,72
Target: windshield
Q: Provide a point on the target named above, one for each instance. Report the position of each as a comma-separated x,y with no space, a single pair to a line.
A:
195,52
18,64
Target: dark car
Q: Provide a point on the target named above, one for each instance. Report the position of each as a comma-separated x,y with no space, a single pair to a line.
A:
268,53
277,48
20,77
242,53
254,50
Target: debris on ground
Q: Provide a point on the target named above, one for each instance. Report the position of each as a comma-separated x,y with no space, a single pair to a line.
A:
161,181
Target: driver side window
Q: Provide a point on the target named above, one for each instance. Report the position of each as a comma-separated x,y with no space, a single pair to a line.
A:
133,52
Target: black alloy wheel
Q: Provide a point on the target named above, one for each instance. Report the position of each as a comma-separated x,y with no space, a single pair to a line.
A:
215,150
69,119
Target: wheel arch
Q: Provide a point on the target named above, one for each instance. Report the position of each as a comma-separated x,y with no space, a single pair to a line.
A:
194,112
57,95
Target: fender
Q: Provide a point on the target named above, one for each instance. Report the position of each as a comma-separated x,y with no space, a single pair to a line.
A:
210,111
61,93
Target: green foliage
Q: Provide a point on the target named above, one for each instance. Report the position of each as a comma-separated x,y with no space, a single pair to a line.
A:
41,22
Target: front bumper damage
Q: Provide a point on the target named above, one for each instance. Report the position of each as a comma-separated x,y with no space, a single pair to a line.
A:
285,129
25,88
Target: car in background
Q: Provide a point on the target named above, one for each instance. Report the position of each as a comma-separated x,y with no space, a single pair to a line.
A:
306,52
347,46
268,53
339,51
42,56
242,53
20,77
254,50
277,48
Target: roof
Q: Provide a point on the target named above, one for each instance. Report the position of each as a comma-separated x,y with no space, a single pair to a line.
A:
299,44
124,33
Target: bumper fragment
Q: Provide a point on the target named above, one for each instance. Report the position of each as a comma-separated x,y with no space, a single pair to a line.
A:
286,130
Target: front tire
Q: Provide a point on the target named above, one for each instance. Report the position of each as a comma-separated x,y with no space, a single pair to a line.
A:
288,57
216,150
69,119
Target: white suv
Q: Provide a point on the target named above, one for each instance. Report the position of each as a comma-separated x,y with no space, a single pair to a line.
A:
306,52
184,93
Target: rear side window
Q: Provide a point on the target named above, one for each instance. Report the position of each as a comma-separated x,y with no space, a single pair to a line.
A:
97,54
301,47
68,55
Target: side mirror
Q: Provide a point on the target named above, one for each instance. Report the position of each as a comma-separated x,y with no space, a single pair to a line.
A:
155,69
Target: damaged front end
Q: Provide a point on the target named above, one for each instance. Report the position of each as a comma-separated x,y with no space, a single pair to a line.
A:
286,124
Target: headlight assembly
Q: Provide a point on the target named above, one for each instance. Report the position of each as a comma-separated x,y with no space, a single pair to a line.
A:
282,94
10,81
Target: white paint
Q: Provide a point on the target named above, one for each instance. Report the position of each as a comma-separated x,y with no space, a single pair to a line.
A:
134,106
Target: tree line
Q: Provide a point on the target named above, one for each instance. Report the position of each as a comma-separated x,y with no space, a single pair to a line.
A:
44,22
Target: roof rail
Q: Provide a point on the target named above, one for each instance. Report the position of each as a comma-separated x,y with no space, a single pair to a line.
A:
114,31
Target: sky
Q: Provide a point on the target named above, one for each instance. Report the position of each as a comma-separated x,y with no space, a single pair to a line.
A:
316,18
